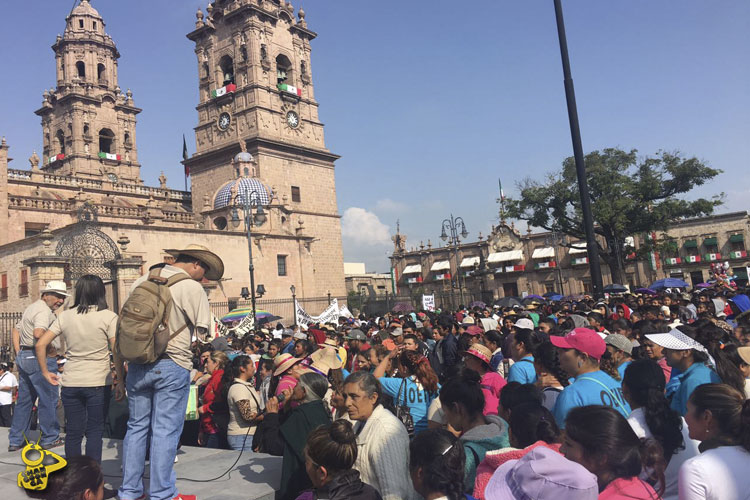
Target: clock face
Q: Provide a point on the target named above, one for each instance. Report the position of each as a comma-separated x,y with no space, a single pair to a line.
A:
292,119
112,178
224,121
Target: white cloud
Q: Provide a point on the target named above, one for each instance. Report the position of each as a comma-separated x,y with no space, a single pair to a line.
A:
362,227
391,206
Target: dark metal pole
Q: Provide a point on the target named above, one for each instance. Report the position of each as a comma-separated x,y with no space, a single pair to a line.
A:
248,223
575,133
294,306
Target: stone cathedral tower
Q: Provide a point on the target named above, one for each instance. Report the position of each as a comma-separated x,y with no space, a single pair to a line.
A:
256,96
88,123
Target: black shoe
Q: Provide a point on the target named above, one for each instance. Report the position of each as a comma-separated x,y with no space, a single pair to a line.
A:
54,444
109,492
12,448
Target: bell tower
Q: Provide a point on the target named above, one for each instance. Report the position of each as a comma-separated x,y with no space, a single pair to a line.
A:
88,123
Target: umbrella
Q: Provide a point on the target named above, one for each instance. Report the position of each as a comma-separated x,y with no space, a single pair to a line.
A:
668,283
478,303
266,319
647,291
704,285
553,296
550,294
403,307
615,288
508,302
538,297
241,312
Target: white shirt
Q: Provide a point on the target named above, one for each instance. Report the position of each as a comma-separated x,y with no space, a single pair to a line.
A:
719,474
9,380
637,421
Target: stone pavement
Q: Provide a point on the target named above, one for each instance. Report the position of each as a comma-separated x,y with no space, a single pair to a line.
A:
255,477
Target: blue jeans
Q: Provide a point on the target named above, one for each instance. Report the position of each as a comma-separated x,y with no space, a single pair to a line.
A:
157,400
235,442
33,385
84,414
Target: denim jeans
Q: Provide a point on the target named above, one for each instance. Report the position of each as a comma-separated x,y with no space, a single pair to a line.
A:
235,441
84,413
33,385
157,400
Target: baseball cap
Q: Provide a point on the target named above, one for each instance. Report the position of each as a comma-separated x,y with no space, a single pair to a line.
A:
524,323
397,332
287,332
468,320
620,342
581,339
356,334
474,330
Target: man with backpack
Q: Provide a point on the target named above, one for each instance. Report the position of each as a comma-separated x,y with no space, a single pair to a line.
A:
166,308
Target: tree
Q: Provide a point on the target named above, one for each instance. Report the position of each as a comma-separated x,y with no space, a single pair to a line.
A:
629,196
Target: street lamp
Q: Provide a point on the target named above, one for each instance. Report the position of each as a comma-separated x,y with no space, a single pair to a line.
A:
454,224
293,289
554,239
253,215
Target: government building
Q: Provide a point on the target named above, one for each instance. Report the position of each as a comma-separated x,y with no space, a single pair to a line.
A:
81,206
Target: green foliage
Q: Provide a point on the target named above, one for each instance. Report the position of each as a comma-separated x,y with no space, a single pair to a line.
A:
629,196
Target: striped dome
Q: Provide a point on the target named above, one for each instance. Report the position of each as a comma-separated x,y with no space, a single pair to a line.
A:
245,188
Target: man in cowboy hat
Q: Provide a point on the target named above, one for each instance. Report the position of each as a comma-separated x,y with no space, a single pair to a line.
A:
158,392
35,321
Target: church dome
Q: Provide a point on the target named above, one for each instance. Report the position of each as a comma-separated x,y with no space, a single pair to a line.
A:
245,188
85,9
243,157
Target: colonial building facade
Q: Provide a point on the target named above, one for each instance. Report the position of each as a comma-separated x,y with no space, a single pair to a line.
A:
509,263
82,207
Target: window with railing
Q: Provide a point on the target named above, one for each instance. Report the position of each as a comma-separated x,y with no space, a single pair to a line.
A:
3,286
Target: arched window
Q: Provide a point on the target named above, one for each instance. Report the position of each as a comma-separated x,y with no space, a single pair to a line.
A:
205,70
220,223
60,142
283,69
127,138
81,67
85,129
101,76
106,140
227,70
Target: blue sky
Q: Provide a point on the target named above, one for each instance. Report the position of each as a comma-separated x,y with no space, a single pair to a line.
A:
429,103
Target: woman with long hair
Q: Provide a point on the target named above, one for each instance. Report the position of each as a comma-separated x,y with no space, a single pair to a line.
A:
382,440
581,351
719,417
330,453
600,439
243,402
436,465
652,418
462,401
522,348
418,387
214,416
550,376
88,329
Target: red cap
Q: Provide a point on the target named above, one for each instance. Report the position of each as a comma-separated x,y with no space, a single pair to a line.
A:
474,330
581,339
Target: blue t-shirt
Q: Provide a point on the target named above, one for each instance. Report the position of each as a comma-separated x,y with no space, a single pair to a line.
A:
621,369
595,388
697,374
418,399
522,371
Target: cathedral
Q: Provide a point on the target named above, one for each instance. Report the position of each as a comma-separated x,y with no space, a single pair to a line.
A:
262,178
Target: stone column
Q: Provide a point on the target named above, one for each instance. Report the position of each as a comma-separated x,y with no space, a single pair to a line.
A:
43,269
127,271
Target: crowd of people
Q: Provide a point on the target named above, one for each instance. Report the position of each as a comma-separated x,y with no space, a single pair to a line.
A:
637,396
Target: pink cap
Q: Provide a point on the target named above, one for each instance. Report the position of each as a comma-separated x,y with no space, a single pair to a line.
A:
474,330
581,339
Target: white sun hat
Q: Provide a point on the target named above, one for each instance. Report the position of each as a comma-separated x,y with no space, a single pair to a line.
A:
678,341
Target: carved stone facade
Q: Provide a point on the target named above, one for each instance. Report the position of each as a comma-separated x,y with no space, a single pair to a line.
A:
298,243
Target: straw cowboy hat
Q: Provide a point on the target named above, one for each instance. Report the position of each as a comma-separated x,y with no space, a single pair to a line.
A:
324,360
284,362
215,265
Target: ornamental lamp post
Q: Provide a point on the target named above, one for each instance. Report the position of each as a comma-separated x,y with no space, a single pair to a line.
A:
454,224
253,215
293,289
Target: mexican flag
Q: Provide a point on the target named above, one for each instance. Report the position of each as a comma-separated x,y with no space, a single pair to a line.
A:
738,254
109,156
713,256
502,193
53,159
693,259
290,89
673,261
226,89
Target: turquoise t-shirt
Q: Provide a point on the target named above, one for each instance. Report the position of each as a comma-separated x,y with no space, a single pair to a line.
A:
595,388
418,399
621,369
522,371
697,374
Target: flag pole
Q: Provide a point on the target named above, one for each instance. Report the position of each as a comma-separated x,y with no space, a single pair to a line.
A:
184,159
